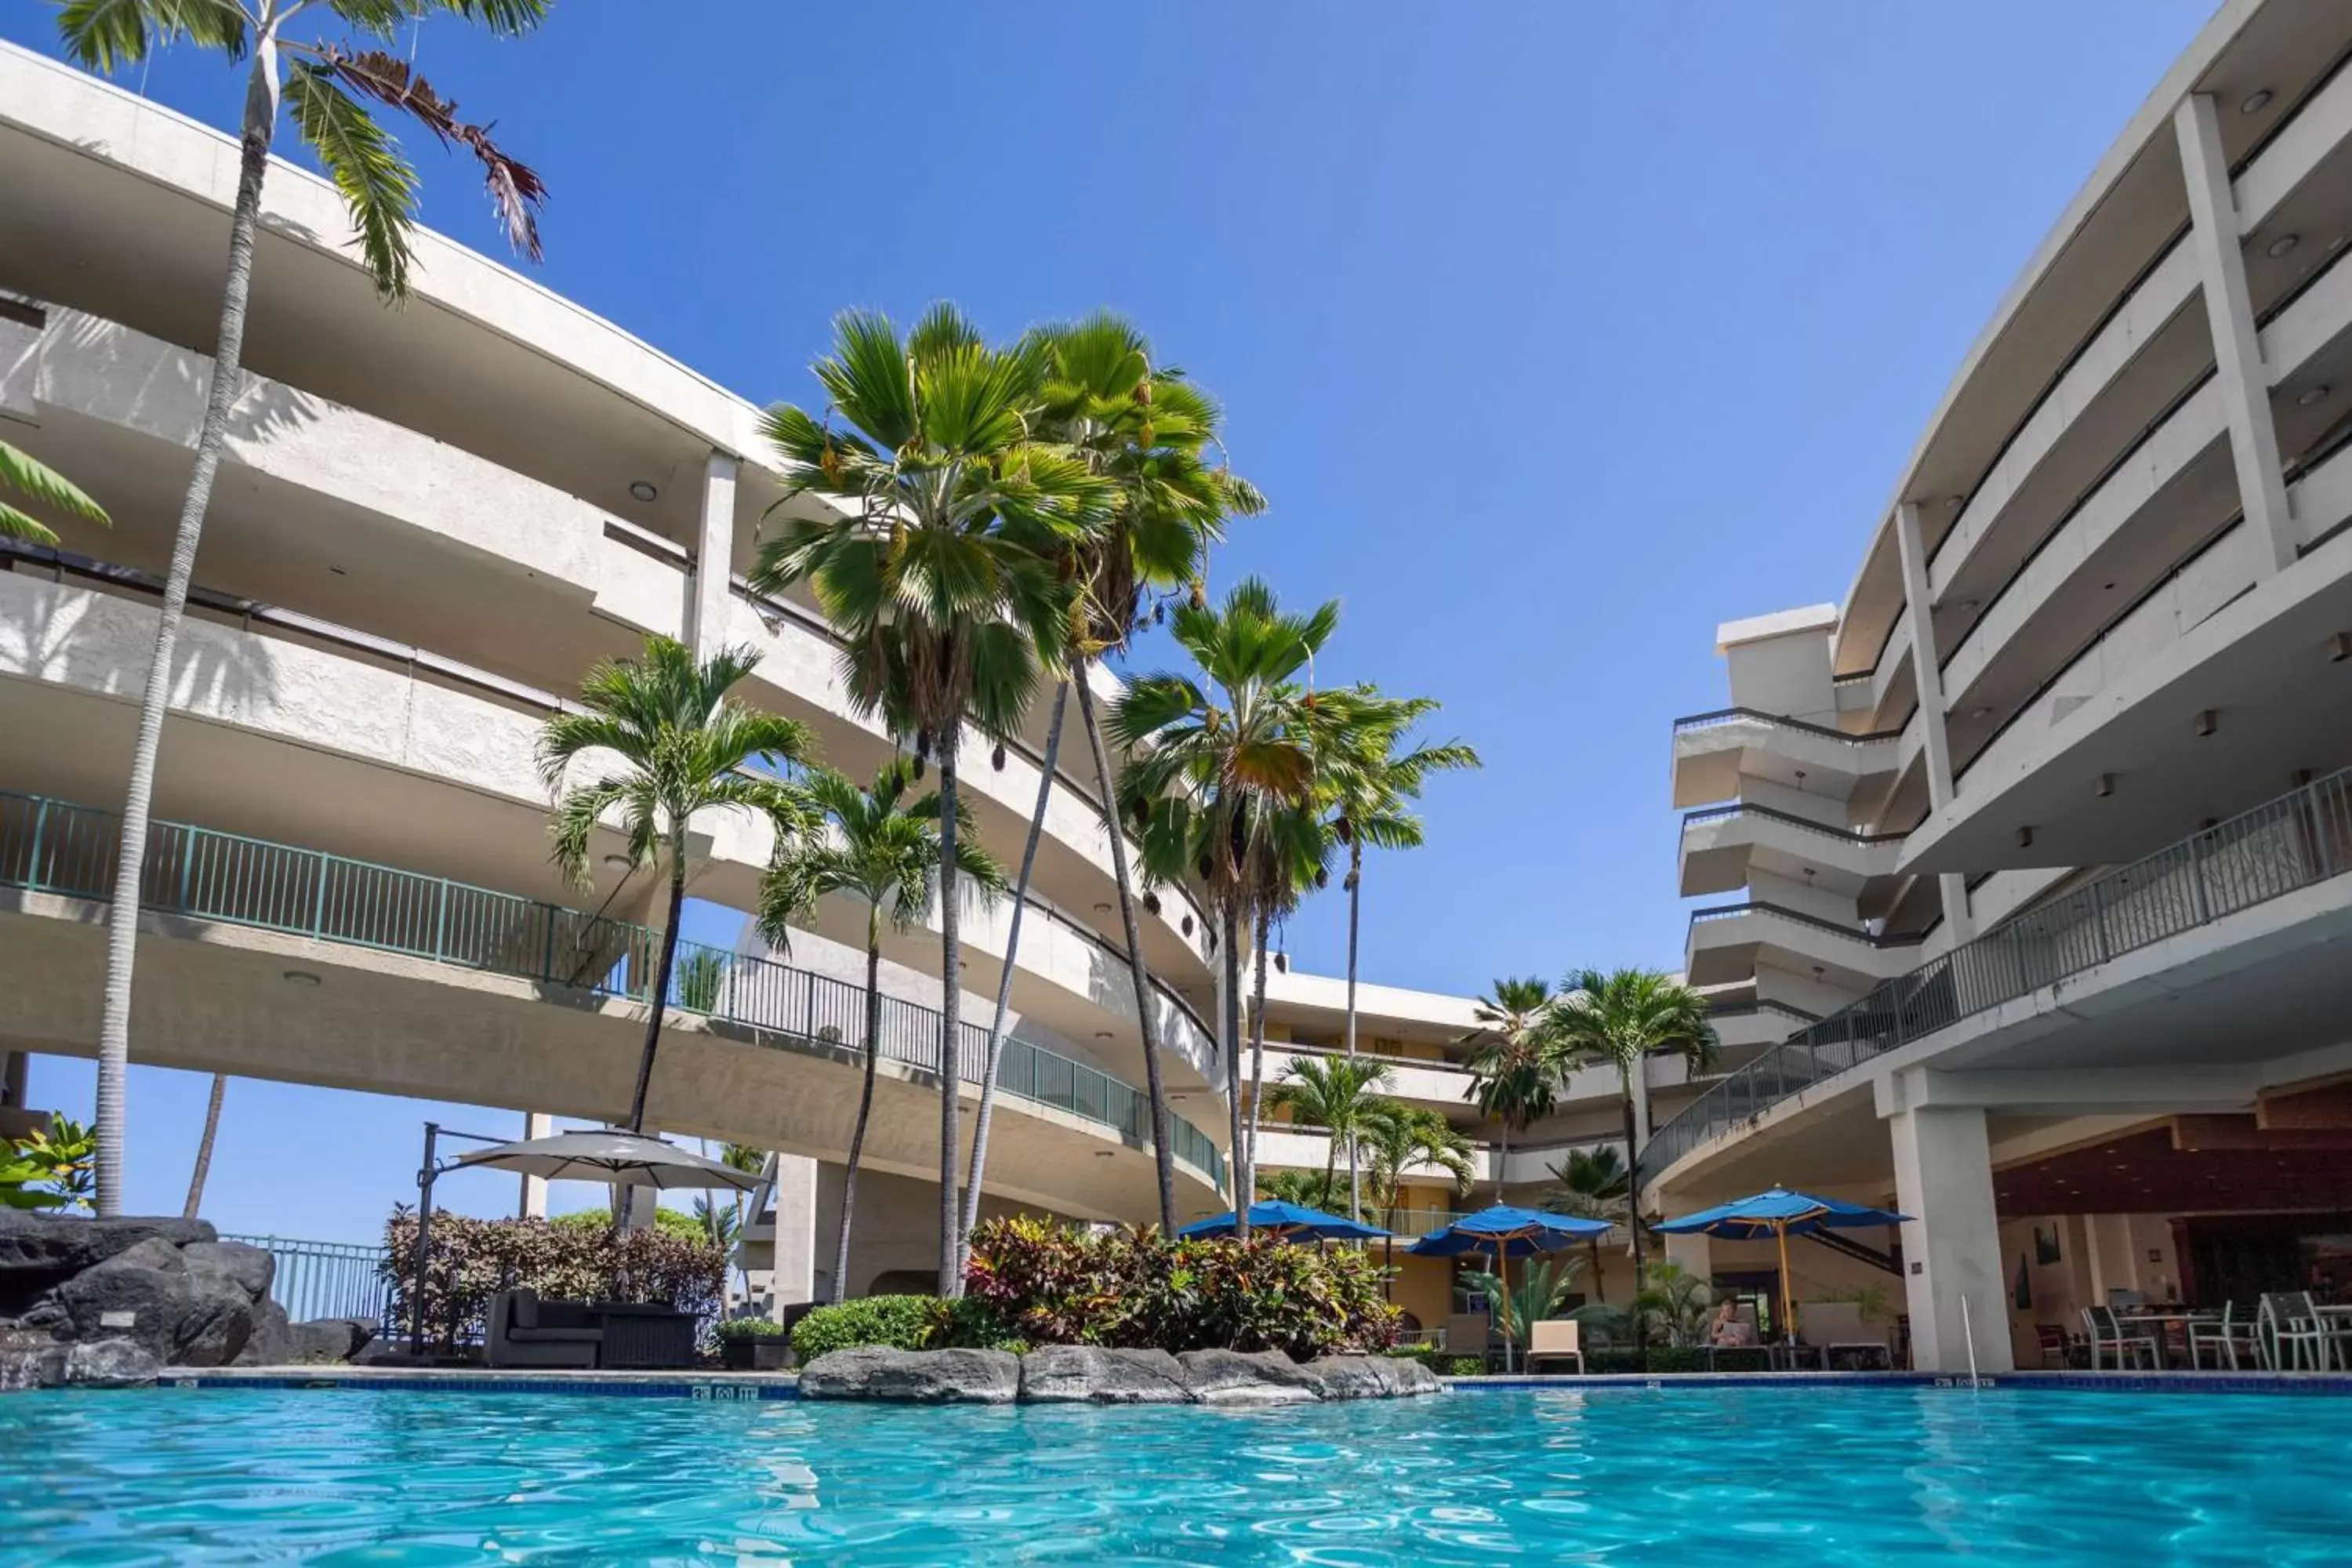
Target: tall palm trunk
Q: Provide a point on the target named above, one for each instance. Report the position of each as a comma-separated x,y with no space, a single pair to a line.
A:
1502,1158
864,1098
951,1012
1355,902
1163,1152
1004,982
1243,1192
155,697
204,1148
657,999
1257,1047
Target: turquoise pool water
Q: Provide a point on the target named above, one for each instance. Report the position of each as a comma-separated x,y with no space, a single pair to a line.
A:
1742,1478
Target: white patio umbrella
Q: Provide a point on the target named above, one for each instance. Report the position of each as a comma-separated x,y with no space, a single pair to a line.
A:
612,1156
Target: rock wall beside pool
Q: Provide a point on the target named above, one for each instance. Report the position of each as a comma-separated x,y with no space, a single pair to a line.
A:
1068,1375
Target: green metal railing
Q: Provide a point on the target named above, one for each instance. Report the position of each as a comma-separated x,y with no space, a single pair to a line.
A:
53,847
2301,839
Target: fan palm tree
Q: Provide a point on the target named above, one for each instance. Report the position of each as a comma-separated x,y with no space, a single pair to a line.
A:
1334,1093
885,851
326,86
938,564
1592,1183
27,476
683,746
1514,1062
1145,430
1216,764
1373,785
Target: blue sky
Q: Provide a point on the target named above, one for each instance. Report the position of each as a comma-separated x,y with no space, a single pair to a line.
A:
1557,333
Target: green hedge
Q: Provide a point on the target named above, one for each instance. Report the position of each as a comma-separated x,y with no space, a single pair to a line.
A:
750,1328
900,1322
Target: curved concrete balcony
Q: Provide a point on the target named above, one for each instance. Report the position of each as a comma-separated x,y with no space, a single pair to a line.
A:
1724,943
1721,844
285,724
1286,1146
268,960
413,539
1742,1028
2086,1001
1713,751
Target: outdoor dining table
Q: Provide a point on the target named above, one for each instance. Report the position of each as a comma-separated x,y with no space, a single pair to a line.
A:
2170,1327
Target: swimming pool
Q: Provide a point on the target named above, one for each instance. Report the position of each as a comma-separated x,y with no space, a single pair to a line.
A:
1749,1477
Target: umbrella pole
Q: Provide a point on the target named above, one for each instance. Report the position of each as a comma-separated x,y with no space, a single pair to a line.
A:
423,1227
1788,1294
1503,1273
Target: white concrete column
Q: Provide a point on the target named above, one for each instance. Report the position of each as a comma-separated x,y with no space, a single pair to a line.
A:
714,555
1951,1245
794,1195
2245,383
535,1124
1695,1253
1928,679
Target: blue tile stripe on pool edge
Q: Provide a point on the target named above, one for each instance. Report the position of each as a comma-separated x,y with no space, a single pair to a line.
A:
719,1391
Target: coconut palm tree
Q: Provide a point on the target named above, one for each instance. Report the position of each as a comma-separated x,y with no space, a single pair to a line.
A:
1334,1093
1216,764
1590,1184
27,475
885,851
1146,431
203,1171
326,86
1514,1062
1308,1189
683,746
1373,785
938,562
1400,1138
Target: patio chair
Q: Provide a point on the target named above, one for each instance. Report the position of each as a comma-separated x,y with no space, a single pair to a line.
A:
1556,1339
2225,1336
2059,1349
523,1331
1469,1333
2127,1340
2294,1332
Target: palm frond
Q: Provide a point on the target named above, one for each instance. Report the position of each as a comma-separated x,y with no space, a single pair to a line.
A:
515,189
105,35
377,184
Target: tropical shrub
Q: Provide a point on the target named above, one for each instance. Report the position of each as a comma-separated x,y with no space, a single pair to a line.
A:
750,1328
1463,1366
1140,1290
49,1168
470,1260
668,1220
900,1322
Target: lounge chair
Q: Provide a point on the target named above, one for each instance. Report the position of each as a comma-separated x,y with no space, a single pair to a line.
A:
1556,1339
2059,1349
524,1331
1469,1333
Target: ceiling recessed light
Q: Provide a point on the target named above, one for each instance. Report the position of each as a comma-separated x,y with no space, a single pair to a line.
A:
1979,712
1102,909
301,977
2312,394
1104,1035
621,860
2256,102
1105,1153
642,490
2282,245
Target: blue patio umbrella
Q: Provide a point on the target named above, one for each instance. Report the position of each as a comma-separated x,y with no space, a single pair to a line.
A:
1780,1214
1506,1231
1288,1222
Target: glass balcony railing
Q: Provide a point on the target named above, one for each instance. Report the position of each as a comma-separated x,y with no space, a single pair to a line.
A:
53,847
2294,841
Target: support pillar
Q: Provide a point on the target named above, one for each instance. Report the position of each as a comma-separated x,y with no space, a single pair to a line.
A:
535,1124
1951,1245
1927,679
793,1277
1695,1253
2237,368
714,556
15,1070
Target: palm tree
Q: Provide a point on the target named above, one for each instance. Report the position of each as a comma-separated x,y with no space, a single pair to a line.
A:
1400,1138
326,85
1288,851
1592,1183
1622,1018
1308,1189
683,746
203,1166
885,851
1216,764
742,1157
1373,786
1619,1018
27,475
1145,430
1334,1093
1514,1062
938,566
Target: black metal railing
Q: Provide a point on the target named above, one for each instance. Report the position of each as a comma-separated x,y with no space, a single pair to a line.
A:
2301,839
